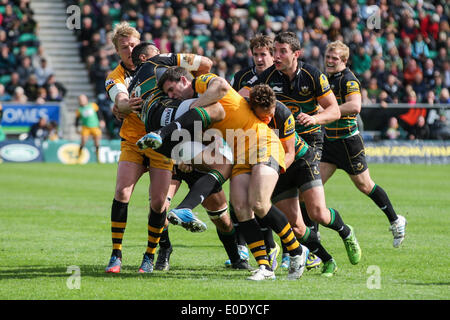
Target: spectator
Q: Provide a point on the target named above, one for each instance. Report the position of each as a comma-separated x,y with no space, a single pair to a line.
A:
420,50
420,87
51,81
53,94
316,58
393,130
31,88
201,20
361,62
42,72
420,131
4,96
7,60
25,70
440,129
39,131
392,86
444,97
411,70
19,95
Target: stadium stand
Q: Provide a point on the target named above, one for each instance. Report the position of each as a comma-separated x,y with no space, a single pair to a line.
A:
399,51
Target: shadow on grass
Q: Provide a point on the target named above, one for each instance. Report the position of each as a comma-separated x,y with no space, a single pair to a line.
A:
96,271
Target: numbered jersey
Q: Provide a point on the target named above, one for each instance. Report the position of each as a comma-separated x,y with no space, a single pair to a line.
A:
343,84
299,94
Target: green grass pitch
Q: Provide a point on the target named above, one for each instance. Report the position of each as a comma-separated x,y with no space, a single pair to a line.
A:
57,216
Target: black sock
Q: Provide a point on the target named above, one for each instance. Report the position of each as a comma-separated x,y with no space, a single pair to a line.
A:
239,236
119,215
311,240
337,224
228,240
186,121
268,235
381,199
255,240
278,222
164,241
201,189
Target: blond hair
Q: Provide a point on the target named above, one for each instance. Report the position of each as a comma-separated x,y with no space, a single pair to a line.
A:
338,45
123,29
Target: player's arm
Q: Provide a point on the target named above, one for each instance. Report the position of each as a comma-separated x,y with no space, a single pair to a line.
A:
352,104
289,150
194,63
217,89
352,98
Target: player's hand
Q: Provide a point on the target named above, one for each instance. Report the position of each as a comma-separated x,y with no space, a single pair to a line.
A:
135,104
119,115
186,168
306,120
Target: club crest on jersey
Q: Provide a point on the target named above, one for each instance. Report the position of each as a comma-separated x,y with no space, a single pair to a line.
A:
304,91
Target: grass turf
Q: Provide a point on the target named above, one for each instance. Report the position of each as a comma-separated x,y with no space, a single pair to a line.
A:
56,216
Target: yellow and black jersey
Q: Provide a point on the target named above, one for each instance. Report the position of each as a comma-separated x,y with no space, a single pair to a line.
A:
241,122
242,77
117,81
301,93
343,84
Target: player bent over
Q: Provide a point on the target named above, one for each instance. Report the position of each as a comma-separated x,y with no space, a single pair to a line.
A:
248,194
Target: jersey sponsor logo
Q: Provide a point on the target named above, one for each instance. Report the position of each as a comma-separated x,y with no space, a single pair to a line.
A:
277,89
166,116
324,84
289,126
352,86
165,54
188,58
109,82
252,80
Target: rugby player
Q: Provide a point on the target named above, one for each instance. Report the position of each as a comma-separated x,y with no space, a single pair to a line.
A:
261,47
133,162
162,111
144,86
298,157
252,164
91,122
305,91
343,146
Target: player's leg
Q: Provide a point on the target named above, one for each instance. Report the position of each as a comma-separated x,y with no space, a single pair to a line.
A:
159,187
218,162
217,209
97,137
165,245
366,185
83,139
263,180
129,170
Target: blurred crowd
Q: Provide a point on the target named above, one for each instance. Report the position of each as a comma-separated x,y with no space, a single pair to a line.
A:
399,49
25,75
